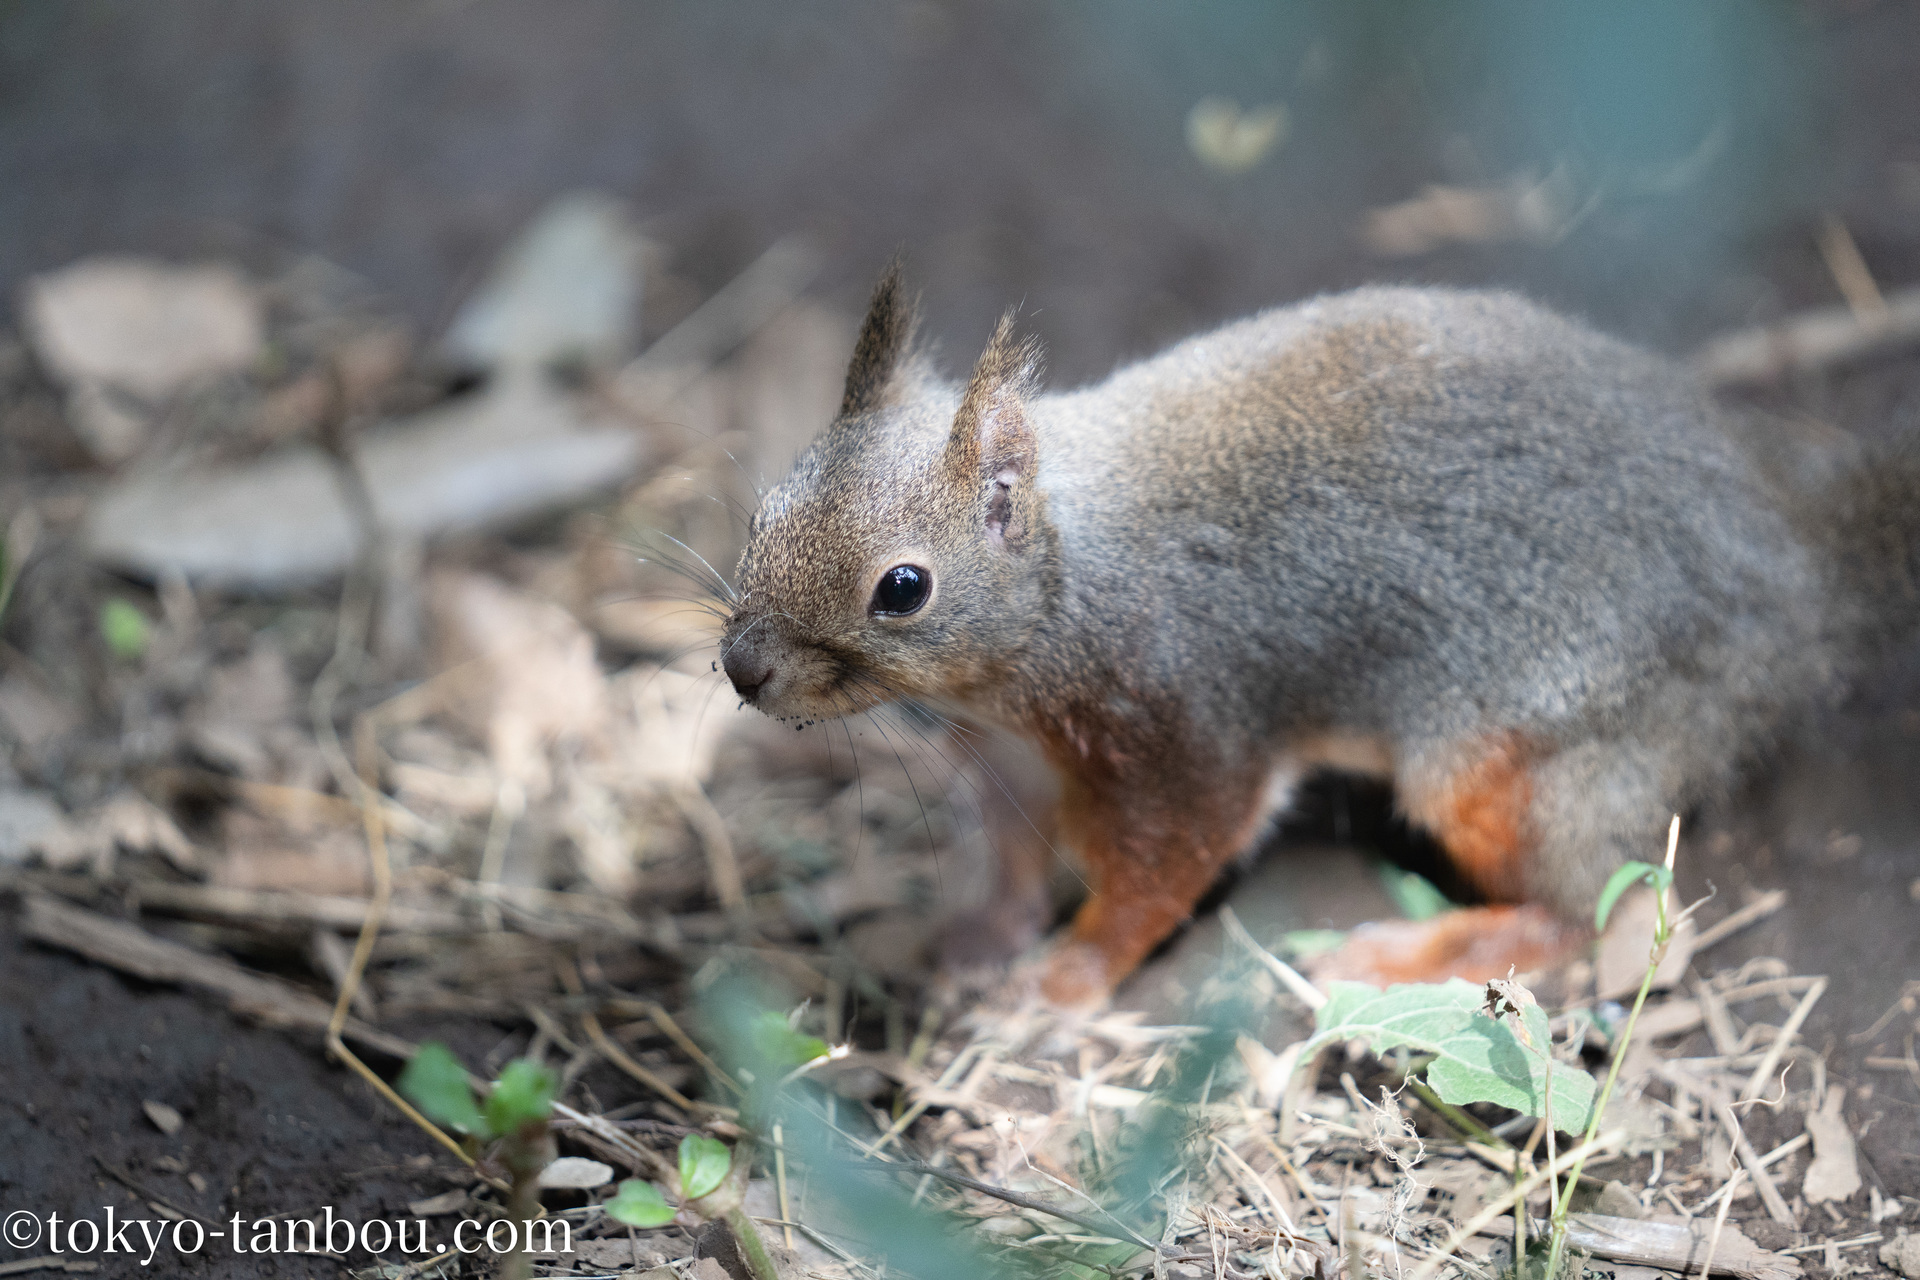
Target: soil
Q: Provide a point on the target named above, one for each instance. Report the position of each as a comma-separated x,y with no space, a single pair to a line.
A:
1020,153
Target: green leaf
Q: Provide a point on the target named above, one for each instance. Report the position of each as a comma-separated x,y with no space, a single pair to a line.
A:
1476,1058
1413,894
778,1044
1625,878
124,628
435,1082
523,1093
1311,942
639,1204
703,1164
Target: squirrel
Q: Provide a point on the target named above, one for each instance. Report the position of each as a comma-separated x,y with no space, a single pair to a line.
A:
1536,577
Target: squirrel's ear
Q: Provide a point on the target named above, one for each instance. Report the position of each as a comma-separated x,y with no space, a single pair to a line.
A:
877,374
992,438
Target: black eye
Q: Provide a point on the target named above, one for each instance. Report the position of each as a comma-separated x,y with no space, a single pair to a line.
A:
901,590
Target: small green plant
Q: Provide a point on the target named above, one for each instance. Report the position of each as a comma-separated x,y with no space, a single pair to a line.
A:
1416,896
1660,880
713,1186
125,629
1471,1054
512,1122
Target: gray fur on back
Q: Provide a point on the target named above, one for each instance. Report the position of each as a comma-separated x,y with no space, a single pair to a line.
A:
1427,515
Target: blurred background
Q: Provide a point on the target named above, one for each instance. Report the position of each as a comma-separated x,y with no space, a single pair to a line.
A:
348,344
1664,162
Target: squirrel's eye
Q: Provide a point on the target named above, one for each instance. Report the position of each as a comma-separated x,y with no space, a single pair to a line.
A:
901,590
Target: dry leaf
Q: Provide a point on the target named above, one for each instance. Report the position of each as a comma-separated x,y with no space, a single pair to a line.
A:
541,682
1621,962
263,854
1834,1172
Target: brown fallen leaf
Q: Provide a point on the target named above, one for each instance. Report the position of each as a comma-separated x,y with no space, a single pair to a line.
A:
1834,1172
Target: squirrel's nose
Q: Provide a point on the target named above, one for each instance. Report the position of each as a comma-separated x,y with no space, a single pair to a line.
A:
748,671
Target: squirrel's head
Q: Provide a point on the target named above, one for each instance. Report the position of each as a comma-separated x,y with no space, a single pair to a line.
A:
907,553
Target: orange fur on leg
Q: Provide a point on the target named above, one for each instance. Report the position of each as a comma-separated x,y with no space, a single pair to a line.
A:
1482,815
1151,858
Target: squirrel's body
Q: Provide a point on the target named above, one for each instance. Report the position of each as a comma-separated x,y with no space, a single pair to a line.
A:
1533,575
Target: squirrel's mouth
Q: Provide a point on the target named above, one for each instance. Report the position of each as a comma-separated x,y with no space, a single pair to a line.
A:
819,688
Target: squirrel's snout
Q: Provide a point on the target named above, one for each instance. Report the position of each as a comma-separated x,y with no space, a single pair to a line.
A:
748,670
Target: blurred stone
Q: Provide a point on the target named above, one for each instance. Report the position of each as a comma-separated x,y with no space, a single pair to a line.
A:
110,328
29,822
1903,1255
164,1117
111,429
568,290
33,717
282,522
576,1173
141,325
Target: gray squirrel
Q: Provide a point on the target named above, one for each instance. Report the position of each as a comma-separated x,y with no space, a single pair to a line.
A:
1532,575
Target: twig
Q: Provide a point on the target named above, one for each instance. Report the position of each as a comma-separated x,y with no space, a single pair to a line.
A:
722,866
1759,909
1788,1030
1767,1161
1807,342
157,1201
638,1154
742,306
664,1020
1289,977
619,1058
131,949
373,817
1854,1243
1719,1225
1022,1201
1433,1262
1850,272
1716,1099
1280,1215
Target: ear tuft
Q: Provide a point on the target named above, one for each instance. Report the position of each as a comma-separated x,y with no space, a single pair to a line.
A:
881,354
991,426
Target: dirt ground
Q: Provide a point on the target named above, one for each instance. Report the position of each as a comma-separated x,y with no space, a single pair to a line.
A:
1020,154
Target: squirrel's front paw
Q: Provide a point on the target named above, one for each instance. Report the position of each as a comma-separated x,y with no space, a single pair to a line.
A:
1075,979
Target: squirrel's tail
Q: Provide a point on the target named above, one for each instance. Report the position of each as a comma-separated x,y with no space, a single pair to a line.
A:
1876,530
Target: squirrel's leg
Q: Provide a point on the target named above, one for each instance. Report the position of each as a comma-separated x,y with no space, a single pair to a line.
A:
1482,801
1152,851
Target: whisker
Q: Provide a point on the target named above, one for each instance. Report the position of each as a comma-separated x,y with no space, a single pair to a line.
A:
926,820
859,791
714,440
